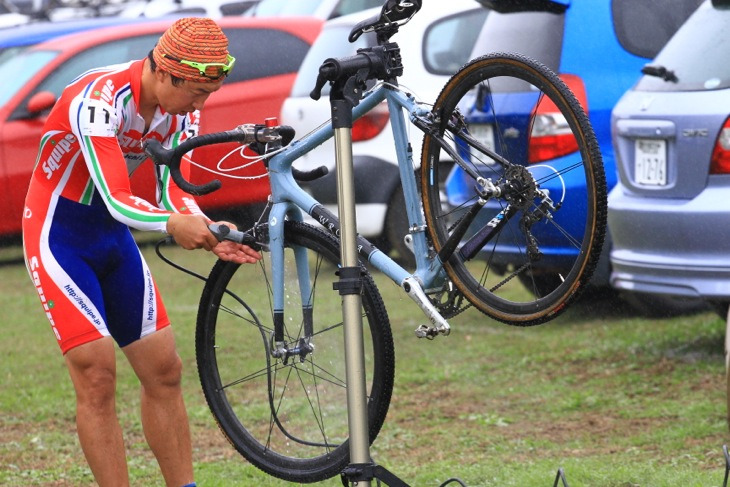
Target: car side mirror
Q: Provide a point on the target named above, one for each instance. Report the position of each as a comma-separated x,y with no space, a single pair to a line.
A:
40,102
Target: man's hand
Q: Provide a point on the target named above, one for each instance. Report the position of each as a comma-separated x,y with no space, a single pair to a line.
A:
191,232
235,252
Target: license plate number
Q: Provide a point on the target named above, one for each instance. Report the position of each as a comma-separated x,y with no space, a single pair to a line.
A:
650,162
484,134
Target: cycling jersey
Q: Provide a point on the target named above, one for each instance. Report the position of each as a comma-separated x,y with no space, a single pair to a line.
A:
89,273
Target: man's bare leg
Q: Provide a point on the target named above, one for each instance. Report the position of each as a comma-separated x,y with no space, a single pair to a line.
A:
164,419
92,367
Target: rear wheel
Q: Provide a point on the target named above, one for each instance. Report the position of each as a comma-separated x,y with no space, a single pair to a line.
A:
288,414
516,124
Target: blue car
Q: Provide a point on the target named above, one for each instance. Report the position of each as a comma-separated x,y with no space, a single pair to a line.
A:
671,131
598,48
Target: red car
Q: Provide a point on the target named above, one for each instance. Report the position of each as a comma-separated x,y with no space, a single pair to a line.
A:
268,53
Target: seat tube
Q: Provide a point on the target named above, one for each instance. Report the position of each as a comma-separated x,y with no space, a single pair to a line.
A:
404,153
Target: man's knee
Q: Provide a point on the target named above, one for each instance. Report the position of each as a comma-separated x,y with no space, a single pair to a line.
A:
95,387
93,373
165,377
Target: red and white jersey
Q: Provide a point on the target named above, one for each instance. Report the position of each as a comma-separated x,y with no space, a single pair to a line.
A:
92,141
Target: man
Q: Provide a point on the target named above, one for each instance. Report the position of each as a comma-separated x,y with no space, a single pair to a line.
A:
93,283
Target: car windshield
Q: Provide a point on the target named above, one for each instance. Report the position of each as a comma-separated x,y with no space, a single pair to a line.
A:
506,33
15,71
329,44
696,57
272,8
9,52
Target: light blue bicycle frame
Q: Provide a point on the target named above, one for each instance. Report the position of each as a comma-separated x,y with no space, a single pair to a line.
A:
289,200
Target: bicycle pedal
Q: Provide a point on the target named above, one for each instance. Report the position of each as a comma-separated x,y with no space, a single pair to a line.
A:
431,332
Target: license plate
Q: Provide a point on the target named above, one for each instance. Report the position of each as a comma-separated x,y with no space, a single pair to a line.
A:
650,162
484,133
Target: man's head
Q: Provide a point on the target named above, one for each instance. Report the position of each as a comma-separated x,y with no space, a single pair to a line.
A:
191,60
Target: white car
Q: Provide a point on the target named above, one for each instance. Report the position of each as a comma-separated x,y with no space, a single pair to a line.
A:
434,44
207,8
321,9
10,16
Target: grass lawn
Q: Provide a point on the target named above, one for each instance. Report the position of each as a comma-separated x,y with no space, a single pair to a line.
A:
613,399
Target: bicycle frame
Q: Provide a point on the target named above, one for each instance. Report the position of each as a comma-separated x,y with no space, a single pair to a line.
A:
289,199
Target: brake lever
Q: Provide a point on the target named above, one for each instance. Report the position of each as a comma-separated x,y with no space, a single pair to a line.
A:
224,232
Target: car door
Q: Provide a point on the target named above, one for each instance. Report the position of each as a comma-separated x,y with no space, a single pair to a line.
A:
22,132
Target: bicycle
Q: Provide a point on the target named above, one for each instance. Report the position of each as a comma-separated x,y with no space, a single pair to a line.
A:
275,380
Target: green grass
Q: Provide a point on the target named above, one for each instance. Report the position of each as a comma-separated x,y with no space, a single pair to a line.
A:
613,399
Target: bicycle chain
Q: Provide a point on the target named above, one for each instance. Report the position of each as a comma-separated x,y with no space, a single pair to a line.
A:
510,277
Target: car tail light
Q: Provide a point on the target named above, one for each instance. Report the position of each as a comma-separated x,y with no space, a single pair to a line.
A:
720,163
370,124
551,136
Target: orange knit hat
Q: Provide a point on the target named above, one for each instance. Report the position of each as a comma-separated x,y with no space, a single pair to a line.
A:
191,39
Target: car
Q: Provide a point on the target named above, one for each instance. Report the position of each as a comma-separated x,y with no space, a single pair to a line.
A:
15,39
671,132
598,49
10,15
269,52
438,41
322,9
207,8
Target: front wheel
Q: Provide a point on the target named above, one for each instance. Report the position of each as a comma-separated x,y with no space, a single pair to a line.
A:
287,414
516,125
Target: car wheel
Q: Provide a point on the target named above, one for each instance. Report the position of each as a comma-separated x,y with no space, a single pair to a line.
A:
719,307
396,228
540,284
662,306
727,362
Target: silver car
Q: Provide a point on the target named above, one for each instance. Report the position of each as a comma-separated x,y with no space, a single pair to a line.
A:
669,214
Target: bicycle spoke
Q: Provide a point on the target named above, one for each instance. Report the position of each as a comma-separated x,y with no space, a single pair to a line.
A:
287,402
528,158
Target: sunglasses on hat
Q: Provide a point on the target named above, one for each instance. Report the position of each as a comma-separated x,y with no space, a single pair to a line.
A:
212,71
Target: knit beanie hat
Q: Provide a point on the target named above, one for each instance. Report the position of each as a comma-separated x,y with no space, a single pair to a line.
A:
192,39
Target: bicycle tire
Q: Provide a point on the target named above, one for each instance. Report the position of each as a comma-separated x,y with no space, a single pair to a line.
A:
289,419
526,114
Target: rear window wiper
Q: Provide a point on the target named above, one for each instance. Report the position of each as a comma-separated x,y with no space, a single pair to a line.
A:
660,72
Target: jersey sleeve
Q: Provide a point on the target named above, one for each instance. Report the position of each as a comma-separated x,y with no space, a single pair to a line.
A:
169,195
95,124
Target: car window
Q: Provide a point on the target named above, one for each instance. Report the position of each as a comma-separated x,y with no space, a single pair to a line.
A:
345,7
538,35
273,8
107,54
331,43
264,52
116,52
16,71
697,54
9,52
644,26
236,8
448,42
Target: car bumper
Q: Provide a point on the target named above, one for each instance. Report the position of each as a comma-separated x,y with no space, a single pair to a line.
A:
672,246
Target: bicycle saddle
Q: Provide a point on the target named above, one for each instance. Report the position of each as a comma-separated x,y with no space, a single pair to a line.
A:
394,14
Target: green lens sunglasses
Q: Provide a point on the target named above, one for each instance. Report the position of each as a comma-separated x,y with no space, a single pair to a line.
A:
212,71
